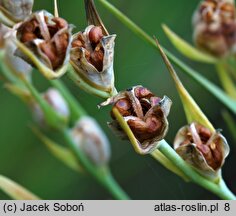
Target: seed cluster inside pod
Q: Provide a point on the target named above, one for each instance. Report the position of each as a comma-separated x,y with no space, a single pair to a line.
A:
52,38
207,142
143,113
215,27
91,42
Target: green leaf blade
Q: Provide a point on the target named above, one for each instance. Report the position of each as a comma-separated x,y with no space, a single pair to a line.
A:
15,191
186,49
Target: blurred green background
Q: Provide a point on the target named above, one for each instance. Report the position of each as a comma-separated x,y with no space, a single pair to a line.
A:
24,159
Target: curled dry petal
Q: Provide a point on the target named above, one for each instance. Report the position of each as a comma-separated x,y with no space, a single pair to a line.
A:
91,140
15,10
92,57
215,27
201,148
145,114
56,101
48,37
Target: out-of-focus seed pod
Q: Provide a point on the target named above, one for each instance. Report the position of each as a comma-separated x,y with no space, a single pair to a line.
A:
145,114
91,140
56,101
204,150
14,11
215,27
45,42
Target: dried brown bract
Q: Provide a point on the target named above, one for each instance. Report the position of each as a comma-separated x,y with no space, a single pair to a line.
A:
145,114
48,37
215,27
203,149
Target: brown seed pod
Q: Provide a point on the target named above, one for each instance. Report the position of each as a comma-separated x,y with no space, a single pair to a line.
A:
91,140
48,38
145,114
92,57
214,25
201,148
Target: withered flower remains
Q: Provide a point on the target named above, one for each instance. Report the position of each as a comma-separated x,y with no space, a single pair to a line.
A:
49,38
93,53
145,114
201,148
91,140
215,27
13,11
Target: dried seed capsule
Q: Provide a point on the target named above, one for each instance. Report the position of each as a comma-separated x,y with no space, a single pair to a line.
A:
201,148
49,39
13,11
91,140
145,114
56,101
92,57
215,27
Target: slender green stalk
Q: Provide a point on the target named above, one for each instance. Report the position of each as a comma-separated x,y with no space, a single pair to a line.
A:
213,89
231,123
15,191
226,80
220,189
85,86
6,71
102,174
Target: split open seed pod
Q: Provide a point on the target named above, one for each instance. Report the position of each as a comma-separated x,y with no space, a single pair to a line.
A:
140,116
214,25
14,11
91,140
44,41
201,148
92,54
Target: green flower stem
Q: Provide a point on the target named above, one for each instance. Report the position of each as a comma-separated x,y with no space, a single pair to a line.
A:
213,89
15,191
220,188
102,174
77,110
85,86
226,80
231,123
53,119
6,71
